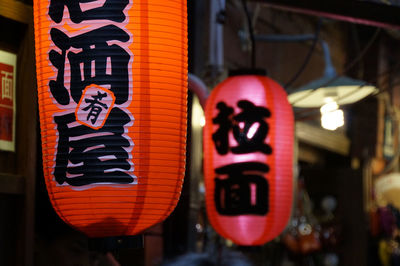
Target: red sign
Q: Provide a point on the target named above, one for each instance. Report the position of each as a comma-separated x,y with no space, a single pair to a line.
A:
7,100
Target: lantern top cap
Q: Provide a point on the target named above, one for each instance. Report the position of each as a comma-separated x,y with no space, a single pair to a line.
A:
247,71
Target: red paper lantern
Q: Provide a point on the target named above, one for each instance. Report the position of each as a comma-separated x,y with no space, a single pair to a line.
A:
112,87
248,148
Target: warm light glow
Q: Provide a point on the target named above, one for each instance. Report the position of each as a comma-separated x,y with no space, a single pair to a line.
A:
248,151
121,170
202,121
198,119
331,116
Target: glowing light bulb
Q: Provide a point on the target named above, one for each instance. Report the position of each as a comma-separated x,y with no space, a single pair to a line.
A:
202,121
331,116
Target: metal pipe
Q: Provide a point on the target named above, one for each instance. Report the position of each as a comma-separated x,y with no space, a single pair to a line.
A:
198,87
216,35
220,37
329,69
212,33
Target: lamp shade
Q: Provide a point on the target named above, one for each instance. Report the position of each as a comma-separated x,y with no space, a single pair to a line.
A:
387,190
248,149
330,87
343,90
112,89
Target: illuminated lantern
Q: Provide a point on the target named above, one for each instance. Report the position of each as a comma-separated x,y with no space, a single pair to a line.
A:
248,148
112,88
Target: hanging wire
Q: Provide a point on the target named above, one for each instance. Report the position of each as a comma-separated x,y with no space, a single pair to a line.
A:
251,33
308,57
378,76
346,68
363,52
356,41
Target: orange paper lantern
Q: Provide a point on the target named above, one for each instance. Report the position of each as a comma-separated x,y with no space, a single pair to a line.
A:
248,148
112,87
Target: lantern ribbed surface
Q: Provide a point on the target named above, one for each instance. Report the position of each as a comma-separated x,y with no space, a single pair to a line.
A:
248,159
112,89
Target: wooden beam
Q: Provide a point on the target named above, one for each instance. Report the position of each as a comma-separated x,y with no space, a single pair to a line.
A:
16,10
27,136
318,137
12,184
310,154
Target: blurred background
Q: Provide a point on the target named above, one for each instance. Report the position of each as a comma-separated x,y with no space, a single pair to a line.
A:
347,180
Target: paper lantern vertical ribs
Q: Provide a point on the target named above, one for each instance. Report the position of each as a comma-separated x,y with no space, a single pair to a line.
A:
112,82
248,147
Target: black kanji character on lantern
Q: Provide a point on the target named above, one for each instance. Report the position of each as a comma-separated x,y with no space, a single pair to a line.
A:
252,135
248,127
244,191
95,51
223,119
111,10
95,106
87,156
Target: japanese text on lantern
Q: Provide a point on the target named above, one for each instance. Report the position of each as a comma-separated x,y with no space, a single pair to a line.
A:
240,187
91,57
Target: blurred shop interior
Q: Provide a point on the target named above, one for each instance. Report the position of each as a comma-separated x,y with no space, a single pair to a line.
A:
346,207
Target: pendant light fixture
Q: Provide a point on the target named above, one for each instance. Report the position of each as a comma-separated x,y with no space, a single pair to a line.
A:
330,92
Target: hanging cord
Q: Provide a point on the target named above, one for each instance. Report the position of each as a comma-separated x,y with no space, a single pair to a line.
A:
251,33
308,57
363,52
347,68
